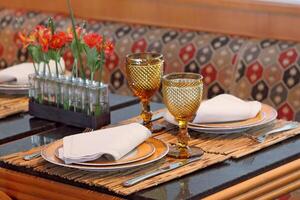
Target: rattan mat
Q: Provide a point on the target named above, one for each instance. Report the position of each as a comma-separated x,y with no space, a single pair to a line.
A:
217,149
10,105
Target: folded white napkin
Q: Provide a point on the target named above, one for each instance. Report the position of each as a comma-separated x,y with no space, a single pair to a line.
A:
224,108
112,143
21,71
6,78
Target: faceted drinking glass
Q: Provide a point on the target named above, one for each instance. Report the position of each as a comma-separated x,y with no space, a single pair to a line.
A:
144,72
182,94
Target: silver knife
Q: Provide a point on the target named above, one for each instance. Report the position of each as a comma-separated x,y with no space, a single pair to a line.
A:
158,171
32,156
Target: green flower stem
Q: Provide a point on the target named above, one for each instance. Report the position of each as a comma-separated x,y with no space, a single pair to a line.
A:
49,69
44,70
61,67
74,68
92,75
59,55
98,105
56,66
35,70
100,74
76,40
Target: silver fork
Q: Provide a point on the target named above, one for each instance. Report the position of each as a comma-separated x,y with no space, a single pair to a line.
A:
261,138
38,154
286,127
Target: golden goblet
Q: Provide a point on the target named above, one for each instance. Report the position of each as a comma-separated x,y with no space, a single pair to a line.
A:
144,72
182,94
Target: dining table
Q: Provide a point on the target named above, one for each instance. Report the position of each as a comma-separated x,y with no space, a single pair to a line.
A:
265,174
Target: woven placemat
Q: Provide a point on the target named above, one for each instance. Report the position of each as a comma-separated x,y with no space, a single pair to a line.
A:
10,105
217,149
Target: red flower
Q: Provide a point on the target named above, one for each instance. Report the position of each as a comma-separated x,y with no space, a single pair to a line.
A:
58,40
44,37
92,40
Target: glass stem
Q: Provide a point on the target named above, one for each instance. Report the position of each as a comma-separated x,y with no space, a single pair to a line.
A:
183,136
146,114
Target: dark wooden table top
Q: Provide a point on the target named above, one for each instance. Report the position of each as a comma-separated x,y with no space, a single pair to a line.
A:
193,186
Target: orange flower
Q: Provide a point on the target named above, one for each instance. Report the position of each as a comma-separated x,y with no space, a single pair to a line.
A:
108,47
26,41
58,40
92,40
69,35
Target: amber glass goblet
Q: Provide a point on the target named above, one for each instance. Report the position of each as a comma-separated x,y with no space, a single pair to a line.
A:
182,94
144,72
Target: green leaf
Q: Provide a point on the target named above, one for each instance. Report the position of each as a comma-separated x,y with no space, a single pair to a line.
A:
92,57
51,25
53,55
36,53
50,55
77,42
46,57
76,49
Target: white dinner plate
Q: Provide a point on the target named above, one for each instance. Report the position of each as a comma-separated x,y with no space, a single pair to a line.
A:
14,88
143,151
161,149
268,114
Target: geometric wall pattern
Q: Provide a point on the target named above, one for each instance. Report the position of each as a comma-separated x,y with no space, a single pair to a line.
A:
266,70
269,71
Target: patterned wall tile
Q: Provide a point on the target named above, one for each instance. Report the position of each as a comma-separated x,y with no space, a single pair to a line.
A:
242,90
187,52
215,90
251,53
204,55
209,74
272,74
225,77
278,94
269,56
192,67
294,97
222,57
254,72
291,76
287,58
186,37
236,44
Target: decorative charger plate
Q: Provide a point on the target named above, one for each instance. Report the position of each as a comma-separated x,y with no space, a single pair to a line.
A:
143,151
265,116
161,149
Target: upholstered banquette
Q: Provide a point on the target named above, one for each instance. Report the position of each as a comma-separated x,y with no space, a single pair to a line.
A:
263,69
